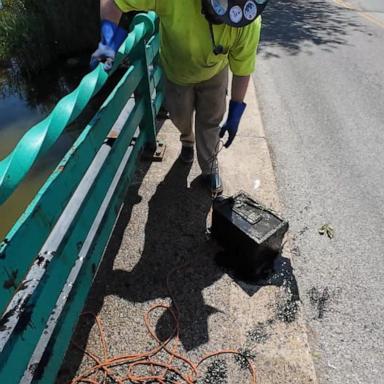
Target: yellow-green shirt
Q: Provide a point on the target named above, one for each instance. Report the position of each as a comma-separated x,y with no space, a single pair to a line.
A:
186,46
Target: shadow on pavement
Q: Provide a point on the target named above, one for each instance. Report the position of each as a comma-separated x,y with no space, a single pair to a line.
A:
291,25
174,236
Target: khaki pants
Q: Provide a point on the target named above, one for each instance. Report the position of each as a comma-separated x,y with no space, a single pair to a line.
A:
208,101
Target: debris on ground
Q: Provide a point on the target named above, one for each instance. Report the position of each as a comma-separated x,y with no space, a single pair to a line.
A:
328,230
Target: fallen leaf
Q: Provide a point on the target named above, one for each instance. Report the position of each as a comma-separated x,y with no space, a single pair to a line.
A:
328,230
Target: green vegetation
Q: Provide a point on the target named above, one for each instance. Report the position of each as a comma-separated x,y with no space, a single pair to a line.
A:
35,33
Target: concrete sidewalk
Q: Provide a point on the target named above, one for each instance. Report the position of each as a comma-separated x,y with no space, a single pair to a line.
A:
162,226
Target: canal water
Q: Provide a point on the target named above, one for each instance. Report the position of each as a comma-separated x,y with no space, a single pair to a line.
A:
24,103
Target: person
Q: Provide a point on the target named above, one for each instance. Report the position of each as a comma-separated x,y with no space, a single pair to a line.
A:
199,40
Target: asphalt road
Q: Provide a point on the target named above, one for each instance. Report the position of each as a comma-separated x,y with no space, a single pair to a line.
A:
319,82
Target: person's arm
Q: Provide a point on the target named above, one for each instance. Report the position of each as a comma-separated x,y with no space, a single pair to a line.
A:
110,11
113,34
241,57
239,87
236,107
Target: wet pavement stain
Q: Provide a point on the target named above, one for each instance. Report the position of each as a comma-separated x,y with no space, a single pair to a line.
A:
259,334
244,358
171,378
279,274
287,307
217,373
319,299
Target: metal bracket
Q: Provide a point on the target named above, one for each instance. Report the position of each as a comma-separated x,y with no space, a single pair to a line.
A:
160,151
155,153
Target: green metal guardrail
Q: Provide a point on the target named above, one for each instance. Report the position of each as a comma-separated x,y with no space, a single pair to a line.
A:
49,258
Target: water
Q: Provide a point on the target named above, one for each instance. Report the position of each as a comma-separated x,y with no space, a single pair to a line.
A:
22,104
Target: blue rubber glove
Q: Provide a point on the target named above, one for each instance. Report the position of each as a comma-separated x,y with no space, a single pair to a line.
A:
235,112
112,37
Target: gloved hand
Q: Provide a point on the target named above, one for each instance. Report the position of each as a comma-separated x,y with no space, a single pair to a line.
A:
235,112
112,36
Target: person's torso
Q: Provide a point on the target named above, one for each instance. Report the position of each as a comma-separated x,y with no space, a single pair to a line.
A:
186,44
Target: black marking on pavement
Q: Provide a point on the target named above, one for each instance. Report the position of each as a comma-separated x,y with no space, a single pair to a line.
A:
243,359
319,300
217,373
260,334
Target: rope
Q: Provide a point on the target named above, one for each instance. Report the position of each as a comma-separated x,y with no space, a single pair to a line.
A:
152,370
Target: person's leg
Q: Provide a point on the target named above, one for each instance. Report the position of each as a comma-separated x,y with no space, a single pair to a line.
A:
180,103
210,109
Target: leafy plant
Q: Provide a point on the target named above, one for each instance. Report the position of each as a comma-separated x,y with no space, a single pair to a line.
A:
35,33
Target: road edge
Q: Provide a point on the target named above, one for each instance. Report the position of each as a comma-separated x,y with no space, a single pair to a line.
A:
255,118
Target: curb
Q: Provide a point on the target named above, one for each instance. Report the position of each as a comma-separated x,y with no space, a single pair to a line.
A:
259,181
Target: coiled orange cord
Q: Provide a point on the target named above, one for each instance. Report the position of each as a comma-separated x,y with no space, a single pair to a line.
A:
105,365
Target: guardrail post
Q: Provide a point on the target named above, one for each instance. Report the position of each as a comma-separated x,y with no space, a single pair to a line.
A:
148,124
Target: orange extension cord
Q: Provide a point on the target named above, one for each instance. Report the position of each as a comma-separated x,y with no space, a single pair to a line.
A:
105,365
